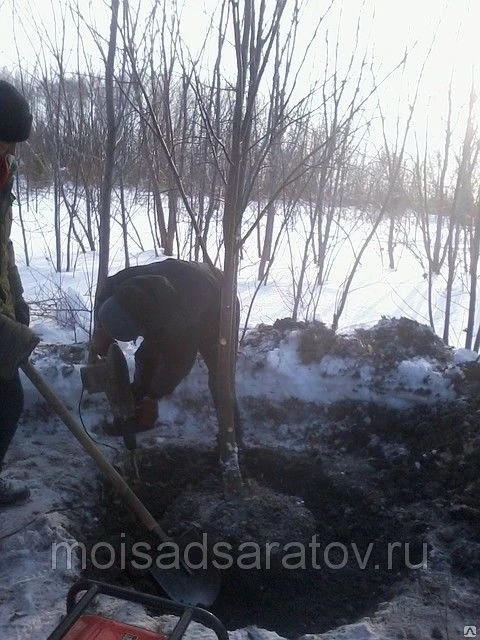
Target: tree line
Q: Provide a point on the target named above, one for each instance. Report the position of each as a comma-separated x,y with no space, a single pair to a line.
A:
207,142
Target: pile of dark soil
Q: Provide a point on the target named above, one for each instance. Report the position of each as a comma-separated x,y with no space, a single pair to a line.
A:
395,339
252,516
387,343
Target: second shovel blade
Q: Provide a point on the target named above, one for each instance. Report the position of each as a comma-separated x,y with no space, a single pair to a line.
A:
198,588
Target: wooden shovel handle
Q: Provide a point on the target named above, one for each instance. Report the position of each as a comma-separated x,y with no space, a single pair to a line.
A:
87,443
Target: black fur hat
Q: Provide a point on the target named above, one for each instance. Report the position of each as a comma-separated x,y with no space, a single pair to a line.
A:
15,116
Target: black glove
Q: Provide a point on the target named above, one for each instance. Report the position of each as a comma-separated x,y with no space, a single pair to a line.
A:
16,344
22,312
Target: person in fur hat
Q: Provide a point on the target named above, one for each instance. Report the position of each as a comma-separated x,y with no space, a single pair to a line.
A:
175,306
15,125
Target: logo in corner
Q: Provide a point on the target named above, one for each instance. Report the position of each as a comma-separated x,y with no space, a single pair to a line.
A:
470,631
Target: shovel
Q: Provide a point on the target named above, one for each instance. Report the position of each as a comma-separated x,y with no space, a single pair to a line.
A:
183,585
192,588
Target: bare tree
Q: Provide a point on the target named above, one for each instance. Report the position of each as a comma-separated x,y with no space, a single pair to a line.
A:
109,150
462,205
254,38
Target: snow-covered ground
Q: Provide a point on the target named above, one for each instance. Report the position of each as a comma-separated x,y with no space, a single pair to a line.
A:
376,289
63,479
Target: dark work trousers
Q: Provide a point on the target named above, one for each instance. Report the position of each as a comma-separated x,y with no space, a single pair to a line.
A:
160,367
11,406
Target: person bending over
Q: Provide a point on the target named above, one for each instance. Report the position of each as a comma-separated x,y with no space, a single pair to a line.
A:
175,306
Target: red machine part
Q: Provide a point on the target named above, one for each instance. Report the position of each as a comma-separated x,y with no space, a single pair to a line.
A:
92,627
78,625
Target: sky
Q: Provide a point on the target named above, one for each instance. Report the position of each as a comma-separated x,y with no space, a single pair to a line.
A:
388,29
450,29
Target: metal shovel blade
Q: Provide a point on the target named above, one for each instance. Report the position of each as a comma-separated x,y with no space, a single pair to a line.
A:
198,588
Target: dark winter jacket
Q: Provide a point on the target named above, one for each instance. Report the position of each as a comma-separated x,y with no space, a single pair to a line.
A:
166,298
11,290
177,306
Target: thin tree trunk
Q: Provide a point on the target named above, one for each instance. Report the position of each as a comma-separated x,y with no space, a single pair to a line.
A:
390,243
266,251
57,220
452,262
22,223
474,256
123,213
109,153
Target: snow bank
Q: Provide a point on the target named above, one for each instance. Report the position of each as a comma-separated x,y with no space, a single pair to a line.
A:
279,374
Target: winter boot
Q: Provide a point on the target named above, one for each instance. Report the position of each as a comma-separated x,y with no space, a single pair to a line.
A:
146,414
12,493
